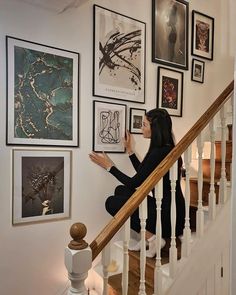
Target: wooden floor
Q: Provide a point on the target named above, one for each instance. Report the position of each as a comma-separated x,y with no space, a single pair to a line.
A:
134,273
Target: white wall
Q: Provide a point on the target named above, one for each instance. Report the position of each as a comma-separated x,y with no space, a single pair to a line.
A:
31,256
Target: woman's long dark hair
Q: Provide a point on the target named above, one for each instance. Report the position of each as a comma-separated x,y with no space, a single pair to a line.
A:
161,128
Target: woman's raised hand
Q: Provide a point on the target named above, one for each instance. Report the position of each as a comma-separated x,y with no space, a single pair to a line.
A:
128,142
101,159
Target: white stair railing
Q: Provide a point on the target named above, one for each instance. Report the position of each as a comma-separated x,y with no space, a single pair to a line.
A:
185,249
125,273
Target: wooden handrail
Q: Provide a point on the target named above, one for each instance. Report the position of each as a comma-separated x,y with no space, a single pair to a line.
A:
135,200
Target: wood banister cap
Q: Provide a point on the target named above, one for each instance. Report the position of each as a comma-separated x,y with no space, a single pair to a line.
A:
78,231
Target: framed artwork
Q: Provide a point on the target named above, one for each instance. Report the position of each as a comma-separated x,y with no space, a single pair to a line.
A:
41,185
42,94
170,91
136,117
109,126
170,33
198,69
118,56
202,35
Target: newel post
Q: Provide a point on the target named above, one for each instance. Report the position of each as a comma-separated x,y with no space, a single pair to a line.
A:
78,259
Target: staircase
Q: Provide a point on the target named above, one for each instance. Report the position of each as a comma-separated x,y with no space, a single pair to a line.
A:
177,268
134,258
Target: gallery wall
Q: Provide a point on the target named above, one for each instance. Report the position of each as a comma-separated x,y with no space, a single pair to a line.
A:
31,256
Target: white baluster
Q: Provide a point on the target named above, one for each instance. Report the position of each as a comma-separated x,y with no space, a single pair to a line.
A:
106,259
223,180
200,215
143,217
125,274
173,249
78,259
212,195
158,274
185,249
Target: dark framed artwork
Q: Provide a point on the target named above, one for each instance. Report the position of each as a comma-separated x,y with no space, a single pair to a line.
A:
170,91
118,56
42,94
109,125
136,117
198,69
41,185
170,33
202,35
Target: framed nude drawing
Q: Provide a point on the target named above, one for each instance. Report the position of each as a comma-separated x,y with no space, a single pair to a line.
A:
118,56
109,125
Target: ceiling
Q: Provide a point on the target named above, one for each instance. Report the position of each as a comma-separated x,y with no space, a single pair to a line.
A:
57,6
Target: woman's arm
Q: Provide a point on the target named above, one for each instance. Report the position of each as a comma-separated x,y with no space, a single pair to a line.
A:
135,161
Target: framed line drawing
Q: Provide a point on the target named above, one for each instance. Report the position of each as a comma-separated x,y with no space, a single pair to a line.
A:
170,33
42,94
170,91
136,117
109,126
202,35
118,56
41,185
198,69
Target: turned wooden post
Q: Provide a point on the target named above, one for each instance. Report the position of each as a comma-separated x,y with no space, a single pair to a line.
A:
78,259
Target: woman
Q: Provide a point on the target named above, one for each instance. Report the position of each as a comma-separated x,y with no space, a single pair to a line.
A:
157,126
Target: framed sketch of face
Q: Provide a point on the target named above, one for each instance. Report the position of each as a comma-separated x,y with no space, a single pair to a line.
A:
198,69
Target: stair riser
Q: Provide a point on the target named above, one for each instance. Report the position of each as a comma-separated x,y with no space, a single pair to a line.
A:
228,150
207,170
205,192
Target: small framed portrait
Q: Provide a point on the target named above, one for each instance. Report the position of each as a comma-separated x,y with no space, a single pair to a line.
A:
170,91
136,117
198,68
170,33
202,35
109,125
41,185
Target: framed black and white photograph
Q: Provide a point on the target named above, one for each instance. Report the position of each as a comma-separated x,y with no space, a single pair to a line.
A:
41,185
136,117
170,91
109,126
42,94
170,33
118,56
198,69
202,35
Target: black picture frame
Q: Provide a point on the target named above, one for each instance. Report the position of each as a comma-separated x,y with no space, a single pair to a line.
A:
119,56
198,70
42,94
170,90
170,38
136,117
202,35
109,126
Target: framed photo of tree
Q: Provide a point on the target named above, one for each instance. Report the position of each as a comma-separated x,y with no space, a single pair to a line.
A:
118,56
170,33
202,35
170,91
109,125
41,185
42,94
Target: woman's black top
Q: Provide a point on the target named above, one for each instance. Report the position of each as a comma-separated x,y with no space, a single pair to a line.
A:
143,170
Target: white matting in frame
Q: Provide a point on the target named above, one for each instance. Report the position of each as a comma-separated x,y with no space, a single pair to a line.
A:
109,125
41,185
119,56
